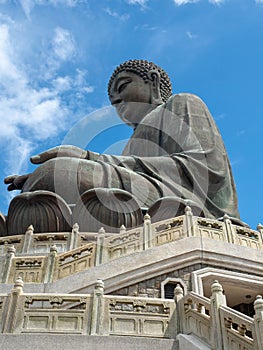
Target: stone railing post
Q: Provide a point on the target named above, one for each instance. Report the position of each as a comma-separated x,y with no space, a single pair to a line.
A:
100,248
258,321
148,240
122,229
97,308
217,299
260,234
231,235
15,308
189,222
179,308
8,263
28,239
73,237
51,264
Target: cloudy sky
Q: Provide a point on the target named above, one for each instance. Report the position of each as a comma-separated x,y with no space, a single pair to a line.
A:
56,57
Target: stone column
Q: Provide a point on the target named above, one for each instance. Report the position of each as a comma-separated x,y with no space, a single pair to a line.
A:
217,299
51,264
258,321
148,241
100,248
27,239
97,309
14,315
8,263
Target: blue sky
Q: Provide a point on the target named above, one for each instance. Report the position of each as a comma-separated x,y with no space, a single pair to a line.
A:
56,57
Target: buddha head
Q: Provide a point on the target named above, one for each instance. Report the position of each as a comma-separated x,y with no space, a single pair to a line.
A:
136,87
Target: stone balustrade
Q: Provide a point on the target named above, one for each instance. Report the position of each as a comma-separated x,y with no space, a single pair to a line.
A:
96,314
47,257
218,325
197,316
139,316
237,329
210,320
119,245
75,260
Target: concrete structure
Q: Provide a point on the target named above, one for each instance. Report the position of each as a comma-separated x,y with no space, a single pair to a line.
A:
182,283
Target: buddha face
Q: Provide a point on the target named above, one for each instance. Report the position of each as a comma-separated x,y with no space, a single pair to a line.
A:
132,97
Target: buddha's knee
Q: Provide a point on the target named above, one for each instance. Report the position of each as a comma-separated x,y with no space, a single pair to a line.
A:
68,177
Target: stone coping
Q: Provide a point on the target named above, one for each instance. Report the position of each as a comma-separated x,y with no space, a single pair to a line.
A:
84,342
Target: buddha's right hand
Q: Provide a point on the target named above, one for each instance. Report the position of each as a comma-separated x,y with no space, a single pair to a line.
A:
59,151
15,182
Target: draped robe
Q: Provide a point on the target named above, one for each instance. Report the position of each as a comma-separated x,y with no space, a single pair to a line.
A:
176,150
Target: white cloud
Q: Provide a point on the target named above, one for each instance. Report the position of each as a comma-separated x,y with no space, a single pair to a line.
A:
21,150
28,5
88,89
69,3
216,2
259,1
63,44
147,27
115,14
6,19
137,2
78,83
184,2
220,116
62,83
9,73
30,114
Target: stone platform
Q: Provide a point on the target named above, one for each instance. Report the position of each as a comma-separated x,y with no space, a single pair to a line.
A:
52,290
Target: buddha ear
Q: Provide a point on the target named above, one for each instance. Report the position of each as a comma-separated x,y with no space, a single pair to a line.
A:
154,78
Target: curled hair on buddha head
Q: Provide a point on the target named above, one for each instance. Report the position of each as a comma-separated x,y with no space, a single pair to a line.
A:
142,68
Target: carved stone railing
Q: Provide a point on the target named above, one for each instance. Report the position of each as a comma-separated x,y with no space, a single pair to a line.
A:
169,230
35,243
75,260
218,325
54,266
139,316
11,241
247,237
128,241
30,269
47,257
212,229
45,313
197,319
210,320
237,329
123,244
95,314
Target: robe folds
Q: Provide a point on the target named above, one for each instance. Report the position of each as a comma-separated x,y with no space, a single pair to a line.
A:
175,151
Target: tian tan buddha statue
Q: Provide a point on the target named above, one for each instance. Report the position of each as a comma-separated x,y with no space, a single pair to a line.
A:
175,158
